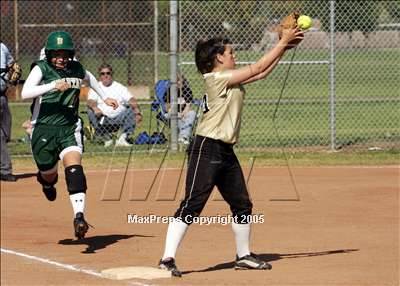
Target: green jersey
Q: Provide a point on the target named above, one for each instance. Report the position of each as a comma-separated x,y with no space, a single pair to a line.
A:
59,107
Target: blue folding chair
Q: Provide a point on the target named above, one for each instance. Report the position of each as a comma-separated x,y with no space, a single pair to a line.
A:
159,106
159,103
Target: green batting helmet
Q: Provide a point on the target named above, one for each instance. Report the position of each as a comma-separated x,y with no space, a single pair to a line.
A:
59,40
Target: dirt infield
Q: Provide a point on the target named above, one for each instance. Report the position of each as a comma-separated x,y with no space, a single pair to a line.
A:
343,231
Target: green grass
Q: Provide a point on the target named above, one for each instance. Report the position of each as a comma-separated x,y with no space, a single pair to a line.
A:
268,158
303,124
367,101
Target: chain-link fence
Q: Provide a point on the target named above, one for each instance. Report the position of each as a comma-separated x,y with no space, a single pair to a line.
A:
342,90
131,36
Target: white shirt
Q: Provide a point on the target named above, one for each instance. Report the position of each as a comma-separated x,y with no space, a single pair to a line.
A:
116,91
5,60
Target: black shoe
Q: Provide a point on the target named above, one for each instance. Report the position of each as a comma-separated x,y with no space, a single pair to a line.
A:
8,177
50,192
48,188
80,226
251,261
169,265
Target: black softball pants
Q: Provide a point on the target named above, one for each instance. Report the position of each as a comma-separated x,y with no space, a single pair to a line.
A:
213,163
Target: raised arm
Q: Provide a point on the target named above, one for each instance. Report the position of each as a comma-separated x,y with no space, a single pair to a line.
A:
264,73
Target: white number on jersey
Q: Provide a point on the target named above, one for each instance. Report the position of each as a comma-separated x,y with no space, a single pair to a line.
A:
205,103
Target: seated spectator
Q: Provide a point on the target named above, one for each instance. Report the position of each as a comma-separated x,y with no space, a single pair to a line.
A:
104,118
186,114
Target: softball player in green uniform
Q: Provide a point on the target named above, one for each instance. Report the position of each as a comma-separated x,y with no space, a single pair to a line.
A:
54,84
212,161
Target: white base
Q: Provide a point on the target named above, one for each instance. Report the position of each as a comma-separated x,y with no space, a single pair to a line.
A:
140,272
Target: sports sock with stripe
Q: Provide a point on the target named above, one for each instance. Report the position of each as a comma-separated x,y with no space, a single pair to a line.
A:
78,202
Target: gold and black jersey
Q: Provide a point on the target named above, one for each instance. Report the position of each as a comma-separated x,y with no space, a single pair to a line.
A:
222,108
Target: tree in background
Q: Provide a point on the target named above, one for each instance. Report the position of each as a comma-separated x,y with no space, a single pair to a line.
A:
350,16
392,9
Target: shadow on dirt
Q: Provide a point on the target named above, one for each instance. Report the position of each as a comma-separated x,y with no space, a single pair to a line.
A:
25,175
99,241
273,257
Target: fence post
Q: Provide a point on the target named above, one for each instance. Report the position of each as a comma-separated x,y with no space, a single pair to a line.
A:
16,52
173,76
156,63
332,87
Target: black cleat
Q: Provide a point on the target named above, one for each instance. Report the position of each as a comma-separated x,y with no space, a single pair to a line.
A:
50,192
169,265
48,188
80,226
251,261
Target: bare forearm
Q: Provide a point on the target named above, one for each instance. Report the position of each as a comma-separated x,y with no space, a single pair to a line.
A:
252,72
269,58
268,61
265,72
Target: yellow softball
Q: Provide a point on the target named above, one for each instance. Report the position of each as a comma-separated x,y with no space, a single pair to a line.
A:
304,22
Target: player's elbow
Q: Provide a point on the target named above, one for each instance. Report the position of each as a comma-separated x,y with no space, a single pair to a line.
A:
24,93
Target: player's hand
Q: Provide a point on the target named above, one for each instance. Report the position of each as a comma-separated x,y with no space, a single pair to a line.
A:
62,85
292,37
111,102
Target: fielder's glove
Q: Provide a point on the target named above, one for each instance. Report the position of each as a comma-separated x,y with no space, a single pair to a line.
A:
14,73
289,22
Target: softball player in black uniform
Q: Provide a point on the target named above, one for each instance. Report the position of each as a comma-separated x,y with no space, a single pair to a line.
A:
55,83
212,161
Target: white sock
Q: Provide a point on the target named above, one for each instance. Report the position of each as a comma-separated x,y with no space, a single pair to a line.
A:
242,238
176,231
78,202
